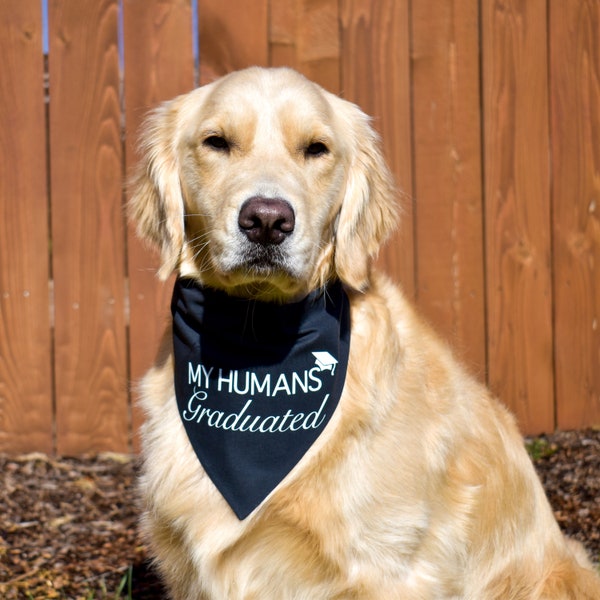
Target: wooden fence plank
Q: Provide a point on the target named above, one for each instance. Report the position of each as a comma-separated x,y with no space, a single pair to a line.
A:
447,167
233,35
304,35
517,209
159,65
575,95
283,24
87,227
25,344
376,75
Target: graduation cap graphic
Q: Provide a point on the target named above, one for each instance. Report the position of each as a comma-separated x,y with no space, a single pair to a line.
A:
325,361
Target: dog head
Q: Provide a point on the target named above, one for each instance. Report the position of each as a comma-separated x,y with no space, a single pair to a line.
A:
263,184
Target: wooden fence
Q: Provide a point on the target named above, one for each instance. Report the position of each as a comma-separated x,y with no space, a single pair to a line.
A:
490,115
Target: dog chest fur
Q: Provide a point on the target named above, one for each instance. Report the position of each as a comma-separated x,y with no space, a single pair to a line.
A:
420,486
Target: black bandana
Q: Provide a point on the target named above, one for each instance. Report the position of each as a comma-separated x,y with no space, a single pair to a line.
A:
256,382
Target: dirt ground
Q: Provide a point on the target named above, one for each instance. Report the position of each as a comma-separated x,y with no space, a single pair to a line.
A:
68,527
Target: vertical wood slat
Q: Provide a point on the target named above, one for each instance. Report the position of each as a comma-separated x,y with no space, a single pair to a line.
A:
304,35
376,75
159,65
25,344
283,24
448,186
87,227
233,35
517,191
575,112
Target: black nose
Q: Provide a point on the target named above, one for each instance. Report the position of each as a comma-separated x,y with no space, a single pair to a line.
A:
266,220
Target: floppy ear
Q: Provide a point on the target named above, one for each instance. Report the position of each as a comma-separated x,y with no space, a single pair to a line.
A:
156,201
369,213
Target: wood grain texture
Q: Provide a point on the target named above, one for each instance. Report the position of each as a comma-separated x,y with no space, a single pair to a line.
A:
25,343
376,75
419,68
447,166
233,35
283,25
87,227
304,35
575,119
517,198
159,65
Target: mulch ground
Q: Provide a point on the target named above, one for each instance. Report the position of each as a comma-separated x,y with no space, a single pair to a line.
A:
68,526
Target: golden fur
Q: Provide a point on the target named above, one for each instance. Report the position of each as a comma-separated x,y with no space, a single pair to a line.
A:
420,487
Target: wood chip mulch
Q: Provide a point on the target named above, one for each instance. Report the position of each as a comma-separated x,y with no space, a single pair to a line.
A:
68,527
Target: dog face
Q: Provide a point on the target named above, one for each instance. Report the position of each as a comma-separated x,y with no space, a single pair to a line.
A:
263,184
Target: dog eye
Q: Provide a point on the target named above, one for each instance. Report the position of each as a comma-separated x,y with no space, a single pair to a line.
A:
316,149
216,142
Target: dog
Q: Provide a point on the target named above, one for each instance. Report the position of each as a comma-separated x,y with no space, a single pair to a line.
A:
261,190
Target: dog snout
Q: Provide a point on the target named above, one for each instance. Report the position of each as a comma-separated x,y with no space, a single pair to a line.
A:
266,221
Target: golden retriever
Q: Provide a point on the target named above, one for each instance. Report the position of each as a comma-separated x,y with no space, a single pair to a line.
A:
419,486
